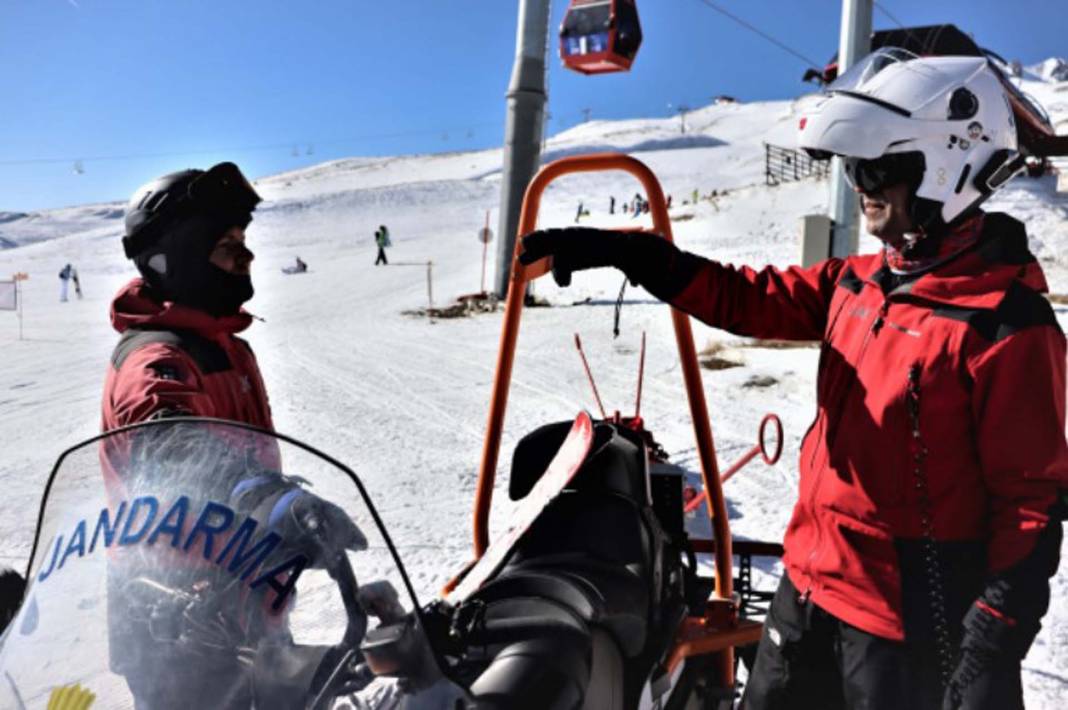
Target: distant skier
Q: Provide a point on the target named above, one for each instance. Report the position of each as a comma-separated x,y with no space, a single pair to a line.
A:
298,268
667,204
612,204
64,282
382,240
580,212
933,479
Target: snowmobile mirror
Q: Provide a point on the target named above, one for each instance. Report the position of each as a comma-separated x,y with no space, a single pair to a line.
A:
394,650
380,599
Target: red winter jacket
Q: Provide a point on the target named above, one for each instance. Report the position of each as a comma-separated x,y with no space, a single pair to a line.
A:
988,360
173,360
177,360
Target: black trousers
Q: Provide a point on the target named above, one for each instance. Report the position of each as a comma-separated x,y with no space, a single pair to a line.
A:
808,659
381,257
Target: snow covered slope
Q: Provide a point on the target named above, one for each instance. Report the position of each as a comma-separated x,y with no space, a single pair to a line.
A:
404,400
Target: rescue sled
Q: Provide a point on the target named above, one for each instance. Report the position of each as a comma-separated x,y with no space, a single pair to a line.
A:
720,611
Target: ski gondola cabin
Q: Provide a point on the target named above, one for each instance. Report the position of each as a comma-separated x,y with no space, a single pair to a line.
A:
600,36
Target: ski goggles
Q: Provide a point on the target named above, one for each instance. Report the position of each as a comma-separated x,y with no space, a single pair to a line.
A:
872,175
223,189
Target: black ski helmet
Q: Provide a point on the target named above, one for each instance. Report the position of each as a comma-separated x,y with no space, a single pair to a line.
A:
172,226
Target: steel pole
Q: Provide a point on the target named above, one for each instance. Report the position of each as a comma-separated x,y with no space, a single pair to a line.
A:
523,129
854,41
485,248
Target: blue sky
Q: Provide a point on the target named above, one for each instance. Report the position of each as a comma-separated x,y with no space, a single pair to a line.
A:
135,89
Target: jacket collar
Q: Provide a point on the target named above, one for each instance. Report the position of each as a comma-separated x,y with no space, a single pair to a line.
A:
136,306
979,276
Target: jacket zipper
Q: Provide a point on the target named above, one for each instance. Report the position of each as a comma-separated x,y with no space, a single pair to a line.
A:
932,558
876,326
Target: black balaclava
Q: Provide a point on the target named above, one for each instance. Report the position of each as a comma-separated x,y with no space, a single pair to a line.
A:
178,269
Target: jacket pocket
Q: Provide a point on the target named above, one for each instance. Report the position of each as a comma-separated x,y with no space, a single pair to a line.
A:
865,552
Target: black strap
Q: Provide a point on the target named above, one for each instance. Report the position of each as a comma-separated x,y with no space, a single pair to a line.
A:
618,309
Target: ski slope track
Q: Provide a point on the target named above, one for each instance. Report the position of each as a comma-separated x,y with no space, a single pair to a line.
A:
404,400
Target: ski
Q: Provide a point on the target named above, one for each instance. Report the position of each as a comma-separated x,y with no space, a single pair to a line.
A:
562,469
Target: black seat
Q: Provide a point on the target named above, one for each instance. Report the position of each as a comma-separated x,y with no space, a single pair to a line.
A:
617,462
591,549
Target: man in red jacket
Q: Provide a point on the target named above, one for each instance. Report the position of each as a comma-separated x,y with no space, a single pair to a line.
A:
178,353
927,524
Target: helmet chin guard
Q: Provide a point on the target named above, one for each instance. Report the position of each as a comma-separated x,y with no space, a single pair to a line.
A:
952,110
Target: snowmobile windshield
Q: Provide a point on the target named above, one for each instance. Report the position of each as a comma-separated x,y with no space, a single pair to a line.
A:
194,563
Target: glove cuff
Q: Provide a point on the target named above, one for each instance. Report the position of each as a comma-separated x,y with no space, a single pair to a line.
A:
657,265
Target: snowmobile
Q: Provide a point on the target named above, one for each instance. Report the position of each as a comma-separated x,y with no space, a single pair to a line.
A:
191,562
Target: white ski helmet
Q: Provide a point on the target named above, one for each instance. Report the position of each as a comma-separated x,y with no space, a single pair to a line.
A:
951,111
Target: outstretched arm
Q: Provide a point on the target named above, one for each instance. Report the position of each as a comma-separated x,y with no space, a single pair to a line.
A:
770,303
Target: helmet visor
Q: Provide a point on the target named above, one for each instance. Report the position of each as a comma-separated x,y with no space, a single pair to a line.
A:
898,80
861,73
890,169
223,188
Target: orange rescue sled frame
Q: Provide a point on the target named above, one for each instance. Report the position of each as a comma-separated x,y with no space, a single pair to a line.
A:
719,629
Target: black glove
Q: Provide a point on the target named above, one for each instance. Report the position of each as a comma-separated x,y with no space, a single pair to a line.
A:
984,681
648,260
1001,625
987,674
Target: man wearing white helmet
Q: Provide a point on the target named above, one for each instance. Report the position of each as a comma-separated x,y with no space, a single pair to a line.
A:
919,551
